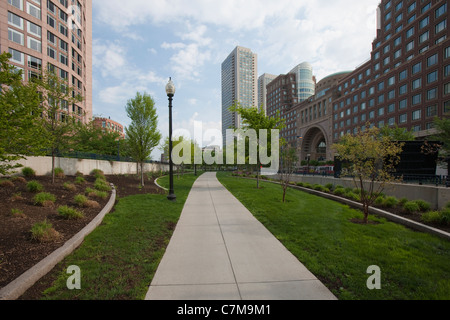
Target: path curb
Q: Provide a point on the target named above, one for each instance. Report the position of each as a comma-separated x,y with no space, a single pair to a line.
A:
17,287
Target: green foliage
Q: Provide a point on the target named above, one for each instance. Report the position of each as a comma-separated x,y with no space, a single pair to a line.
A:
423,205
28,172
372,159
70,213
80,180
44,232
397,134
101,185
58,127
80,199
17,213
19,114
390,202
44,199
92,139
34,186
339,191
59,173
411,207
142,134
69,186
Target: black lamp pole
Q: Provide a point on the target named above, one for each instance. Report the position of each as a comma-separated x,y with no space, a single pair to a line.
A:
170,90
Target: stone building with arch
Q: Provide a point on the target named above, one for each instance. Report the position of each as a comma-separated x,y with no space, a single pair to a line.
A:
314,121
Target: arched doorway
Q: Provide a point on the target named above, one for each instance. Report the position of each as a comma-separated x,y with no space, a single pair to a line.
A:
314,145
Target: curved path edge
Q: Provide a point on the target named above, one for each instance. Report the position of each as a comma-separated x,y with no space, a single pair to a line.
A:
17,287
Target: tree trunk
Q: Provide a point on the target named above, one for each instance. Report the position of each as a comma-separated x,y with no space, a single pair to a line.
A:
366,213
142,174
53,165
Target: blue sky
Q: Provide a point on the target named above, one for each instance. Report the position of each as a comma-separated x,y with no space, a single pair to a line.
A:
139,44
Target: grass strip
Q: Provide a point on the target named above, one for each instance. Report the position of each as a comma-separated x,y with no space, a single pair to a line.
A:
321,234
119,259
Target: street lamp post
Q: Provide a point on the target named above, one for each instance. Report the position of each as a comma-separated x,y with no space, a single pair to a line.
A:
170,90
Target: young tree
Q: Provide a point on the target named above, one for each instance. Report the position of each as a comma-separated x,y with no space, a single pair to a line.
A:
90,138
397,134
142,133
57,123
288,161
372,160
20,110
442,126
255,119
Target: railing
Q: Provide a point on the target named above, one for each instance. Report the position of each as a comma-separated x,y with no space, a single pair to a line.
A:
95,156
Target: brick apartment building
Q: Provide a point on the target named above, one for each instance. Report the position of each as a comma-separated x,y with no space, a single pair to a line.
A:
54,34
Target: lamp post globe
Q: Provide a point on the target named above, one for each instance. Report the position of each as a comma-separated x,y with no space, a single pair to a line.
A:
170,90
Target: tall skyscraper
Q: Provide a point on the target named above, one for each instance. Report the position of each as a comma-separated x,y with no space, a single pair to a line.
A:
263,81
239,84
54,34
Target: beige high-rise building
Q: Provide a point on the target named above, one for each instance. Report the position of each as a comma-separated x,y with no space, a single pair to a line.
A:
53,34
239,85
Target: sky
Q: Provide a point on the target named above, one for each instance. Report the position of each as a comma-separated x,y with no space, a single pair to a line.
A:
139,44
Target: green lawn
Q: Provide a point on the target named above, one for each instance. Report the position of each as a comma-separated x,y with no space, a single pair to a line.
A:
119,259
320,234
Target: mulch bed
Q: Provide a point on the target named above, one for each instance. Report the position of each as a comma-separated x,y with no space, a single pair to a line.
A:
18,251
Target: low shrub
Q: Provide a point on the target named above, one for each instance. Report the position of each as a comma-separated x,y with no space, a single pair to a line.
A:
390,202
69,186
44,232
6,184
379,201
402,202
80,200
28,172
70,213
19,179
59,173
445,216
17,213
339,191
98,174
34,186
352,196
411,207
300,184
80,180
329,186
44,199
101,185
79,174
318,187
423,205
432,217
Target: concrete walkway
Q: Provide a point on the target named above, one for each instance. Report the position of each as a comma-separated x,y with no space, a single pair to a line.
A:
219,251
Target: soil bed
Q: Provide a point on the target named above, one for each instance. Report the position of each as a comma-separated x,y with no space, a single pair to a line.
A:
18,251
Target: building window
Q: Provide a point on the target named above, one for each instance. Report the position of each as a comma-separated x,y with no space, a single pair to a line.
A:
403,104
391,107
424,37
441,26
15,36
16,3
416,84
34,11
432,94
431,61
34,29
431,111
424,22
34,44
416,115
441,10
17,56
417,68
432,77
446,88
403,89
403,118
15,20
416,99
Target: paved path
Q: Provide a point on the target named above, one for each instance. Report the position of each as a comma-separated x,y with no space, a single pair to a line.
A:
219,251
